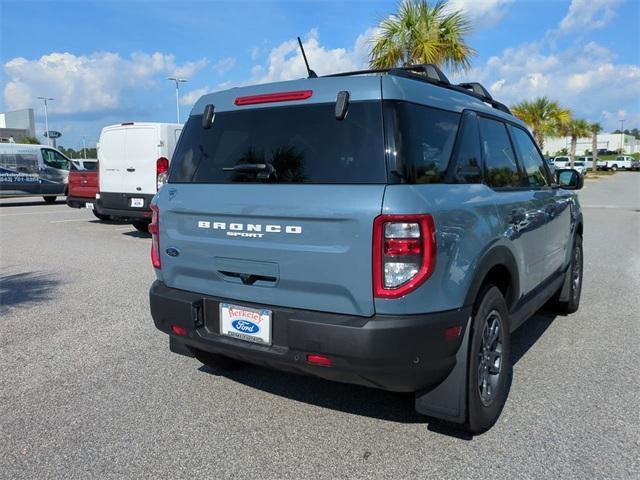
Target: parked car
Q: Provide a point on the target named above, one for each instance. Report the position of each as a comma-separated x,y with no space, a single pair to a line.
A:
621,161
85,163
383,229
635,166
561,161
83,187
32,171
580,166
133,161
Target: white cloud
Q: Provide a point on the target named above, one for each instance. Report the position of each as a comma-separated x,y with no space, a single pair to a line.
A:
191,97
189,69
584,79
588,14
87,83
285,61
482,13
223,65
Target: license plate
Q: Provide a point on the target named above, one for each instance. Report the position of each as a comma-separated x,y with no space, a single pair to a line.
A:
88,205
249,324
137,202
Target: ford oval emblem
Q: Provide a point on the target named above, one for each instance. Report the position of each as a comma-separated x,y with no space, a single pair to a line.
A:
172,252
245,326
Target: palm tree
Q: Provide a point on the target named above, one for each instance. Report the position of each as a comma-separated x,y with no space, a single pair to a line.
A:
421,33
575,129
595,128
545,117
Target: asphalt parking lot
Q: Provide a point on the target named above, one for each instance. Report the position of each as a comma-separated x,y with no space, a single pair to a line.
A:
89,389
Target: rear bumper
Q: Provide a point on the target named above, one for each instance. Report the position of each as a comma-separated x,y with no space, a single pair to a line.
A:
81,202
398,353
119,205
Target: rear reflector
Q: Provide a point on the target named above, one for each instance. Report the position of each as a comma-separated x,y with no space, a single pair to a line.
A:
452,333
319,360
274,97
178,330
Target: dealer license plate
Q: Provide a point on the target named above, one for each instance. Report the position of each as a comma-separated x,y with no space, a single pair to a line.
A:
249,324
137,202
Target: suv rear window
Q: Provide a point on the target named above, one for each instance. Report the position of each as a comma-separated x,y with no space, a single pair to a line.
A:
304,144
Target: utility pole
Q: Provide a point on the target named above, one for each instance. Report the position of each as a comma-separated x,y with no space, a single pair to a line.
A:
84,147
621,135
177,81
46,116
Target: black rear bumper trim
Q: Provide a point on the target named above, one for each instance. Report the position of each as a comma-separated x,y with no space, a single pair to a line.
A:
398,353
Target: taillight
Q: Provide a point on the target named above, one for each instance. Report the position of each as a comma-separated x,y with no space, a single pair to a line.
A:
154,230
162,171
404,253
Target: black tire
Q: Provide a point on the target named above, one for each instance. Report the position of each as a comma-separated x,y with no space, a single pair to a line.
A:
217,362
614,168
489,375
100,216
575,289
141,226
50,198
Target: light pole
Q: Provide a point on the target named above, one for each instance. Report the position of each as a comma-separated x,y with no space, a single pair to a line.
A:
621,136
84,147
177,81
46,116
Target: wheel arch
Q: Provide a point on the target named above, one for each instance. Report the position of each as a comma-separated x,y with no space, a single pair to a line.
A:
497,267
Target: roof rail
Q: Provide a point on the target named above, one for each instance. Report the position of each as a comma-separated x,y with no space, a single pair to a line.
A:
430,73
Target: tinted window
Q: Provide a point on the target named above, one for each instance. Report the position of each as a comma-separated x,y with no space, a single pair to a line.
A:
55,159
531,159
501,169
467,161
304,144
424,140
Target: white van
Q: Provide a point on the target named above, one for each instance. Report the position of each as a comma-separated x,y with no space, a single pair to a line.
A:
133,161
32,171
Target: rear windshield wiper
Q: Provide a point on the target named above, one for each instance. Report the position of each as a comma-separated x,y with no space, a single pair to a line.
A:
262,170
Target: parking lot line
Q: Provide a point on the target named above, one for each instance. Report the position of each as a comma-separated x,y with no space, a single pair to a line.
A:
32,213
71,220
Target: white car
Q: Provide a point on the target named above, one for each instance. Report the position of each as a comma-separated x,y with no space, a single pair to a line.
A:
580,166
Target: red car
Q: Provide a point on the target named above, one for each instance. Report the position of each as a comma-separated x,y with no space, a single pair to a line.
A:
83,186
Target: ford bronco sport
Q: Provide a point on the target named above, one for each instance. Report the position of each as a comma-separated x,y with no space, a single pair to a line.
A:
382,228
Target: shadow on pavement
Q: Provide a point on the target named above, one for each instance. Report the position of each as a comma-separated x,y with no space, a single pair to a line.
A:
136,234
26,289
369,402
31,203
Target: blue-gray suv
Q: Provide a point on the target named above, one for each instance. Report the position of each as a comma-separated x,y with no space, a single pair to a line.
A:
382,228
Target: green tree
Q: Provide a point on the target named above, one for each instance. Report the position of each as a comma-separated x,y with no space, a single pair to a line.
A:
545,117
421,32
595,129
30,140
575,129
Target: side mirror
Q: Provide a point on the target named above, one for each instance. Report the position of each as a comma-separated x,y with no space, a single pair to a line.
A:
569,179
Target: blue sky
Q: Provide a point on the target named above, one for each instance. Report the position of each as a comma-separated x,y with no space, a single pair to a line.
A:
107,62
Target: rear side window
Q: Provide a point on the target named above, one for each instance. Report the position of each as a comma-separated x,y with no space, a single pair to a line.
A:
501,169
531,158
424,140
303,144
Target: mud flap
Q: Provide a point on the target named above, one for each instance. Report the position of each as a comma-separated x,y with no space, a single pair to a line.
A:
176,346
566,286
448,401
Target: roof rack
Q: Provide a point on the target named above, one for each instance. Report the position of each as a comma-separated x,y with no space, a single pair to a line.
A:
430,73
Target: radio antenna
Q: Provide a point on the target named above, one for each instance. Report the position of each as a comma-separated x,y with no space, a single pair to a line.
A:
310,73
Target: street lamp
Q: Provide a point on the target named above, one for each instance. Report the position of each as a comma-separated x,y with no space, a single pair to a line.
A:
84,147
46,116
177,81
621,136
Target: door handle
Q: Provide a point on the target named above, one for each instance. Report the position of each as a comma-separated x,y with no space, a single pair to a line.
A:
131,169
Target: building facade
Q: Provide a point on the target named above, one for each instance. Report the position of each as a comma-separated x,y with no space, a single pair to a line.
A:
17,124
608,141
